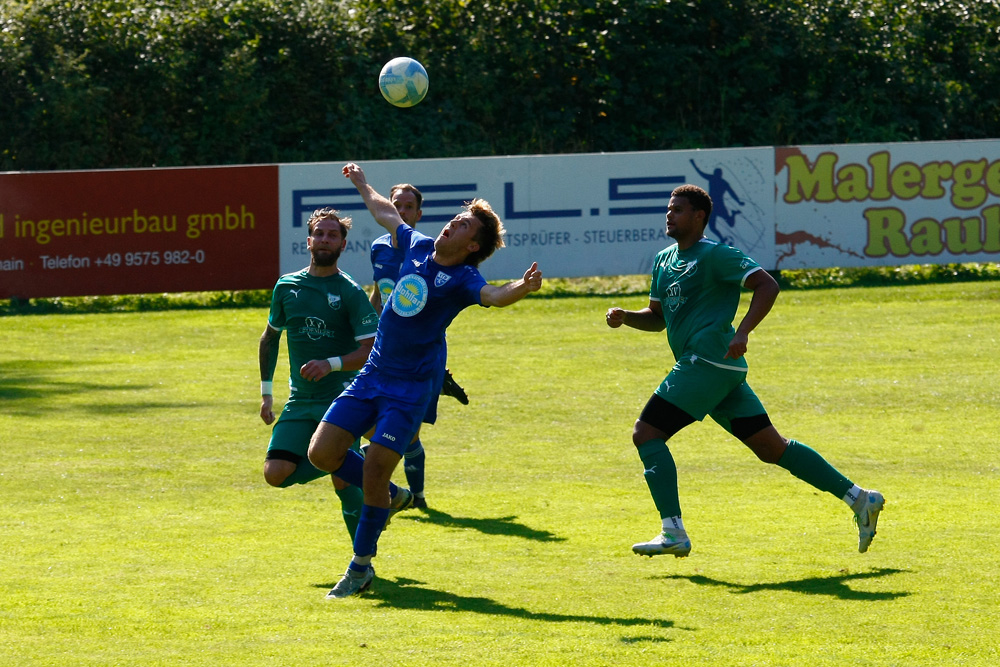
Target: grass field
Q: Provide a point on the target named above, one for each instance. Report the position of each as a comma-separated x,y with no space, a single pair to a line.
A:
137,529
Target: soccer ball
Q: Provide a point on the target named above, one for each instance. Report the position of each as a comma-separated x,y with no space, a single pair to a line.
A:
403,82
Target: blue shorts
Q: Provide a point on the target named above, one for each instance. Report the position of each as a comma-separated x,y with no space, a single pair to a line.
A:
394,406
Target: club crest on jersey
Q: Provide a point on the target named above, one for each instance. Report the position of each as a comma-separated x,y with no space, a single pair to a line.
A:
409,296
441,278
333,300
686,269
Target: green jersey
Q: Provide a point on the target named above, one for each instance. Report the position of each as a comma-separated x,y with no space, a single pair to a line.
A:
699,292
322,317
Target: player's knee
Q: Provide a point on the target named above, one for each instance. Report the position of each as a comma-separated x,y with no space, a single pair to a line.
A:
277,475
322,453
642,433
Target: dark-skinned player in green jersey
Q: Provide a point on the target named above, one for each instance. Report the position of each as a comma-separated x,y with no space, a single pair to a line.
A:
694,295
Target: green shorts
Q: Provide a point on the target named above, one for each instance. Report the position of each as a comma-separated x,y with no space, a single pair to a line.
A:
296,424
699,389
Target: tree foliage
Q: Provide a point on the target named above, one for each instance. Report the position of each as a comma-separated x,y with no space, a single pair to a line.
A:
106,83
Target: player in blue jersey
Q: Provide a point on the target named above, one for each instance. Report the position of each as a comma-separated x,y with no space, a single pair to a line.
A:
386,262
438,279
694,295
331,329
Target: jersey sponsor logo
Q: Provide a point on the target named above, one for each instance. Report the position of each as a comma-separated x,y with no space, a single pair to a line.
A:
745,264
385,286
294,292
333,300
369,319
441,278
410,295
674,299
315,329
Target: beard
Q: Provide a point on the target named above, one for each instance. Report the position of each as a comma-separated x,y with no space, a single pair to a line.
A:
324,257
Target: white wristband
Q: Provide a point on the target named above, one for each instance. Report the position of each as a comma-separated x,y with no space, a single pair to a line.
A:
335,363
266,387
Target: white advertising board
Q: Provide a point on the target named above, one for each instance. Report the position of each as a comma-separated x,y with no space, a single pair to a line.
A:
887,204
576,215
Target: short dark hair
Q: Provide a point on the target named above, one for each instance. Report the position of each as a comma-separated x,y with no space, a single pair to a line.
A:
406,187
699,199
329,214
490,234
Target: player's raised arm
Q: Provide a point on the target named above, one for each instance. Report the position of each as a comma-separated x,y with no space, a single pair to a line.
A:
381,208
513,291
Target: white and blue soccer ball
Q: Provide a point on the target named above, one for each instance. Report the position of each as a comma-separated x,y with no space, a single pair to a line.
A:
403,82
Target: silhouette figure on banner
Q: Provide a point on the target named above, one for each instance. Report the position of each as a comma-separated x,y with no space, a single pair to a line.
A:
718,188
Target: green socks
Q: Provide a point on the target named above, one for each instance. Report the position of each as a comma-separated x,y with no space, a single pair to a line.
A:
808,465
661,477
351,500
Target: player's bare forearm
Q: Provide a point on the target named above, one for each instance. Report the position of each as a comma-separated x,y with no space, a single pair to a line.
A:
267,352
356,359
513,291
647,319
765,292
317,369
382,210
267,359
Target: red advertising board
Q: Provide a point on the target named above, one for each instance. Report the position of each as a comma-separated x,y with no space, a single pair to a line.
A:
138,231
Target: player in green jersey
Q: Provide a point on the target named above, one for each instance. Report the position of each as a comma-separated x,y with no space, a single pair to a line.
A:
694,295
331,327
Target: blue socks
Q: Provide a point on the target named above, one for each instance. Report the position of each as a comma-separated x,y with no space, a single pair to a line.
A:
413,466
369,529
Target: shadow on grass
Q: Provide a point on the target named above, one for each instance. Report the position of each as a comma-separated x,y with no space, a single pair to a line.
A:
412,594
504,525
835,586
26,388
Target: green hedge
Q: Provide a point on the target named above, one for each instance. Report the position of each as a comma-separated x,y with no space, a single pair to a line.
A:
553,288
100,83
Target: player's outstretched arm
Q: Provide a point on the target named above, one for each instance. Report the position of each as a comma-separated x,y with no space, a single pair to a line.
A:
649,318
513,291
381,208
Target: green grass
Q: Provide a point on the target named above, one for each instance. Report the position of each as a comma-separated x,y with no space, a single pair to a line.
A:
137,529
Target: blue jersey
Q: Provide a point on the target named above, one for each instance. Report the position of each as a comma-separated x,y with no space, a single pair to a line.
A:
410,341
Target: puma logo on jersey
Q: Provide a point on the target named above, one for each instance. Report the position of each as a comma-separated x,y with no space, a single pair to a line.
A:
295,292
